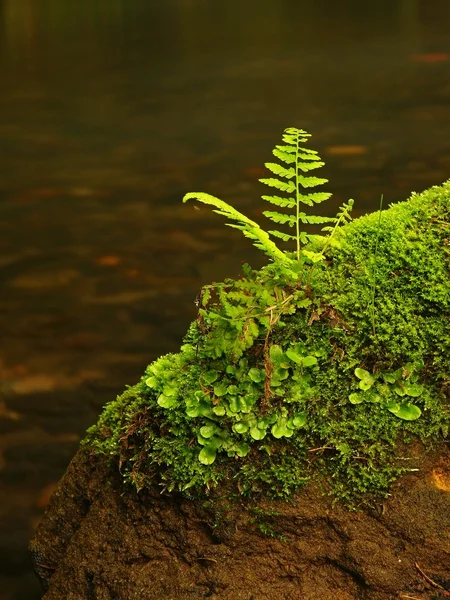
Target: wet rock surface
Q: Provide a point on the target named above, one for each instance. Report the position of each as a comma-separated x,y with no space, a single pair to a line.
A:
96,541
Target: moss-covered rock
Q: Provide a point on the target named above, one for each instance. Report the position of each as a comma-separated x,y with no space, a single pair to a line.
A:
327,374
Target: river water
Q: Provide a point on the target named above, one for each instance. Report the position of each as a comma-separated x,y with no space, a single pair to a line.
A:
109,113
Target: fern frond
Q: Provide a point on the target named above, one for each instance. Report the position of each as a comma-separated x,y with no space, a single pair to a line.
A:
280,218
298,160
287,157
302,160
283,236
281,171
288,187
288,149
314,220
309,166
308,182
248,227
279,201
314,198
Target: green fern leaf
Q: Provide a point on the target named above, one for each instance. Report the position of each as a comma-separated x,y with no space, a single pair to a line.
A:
288,187
310,166
308,182
314,220
286,157
288,149
283,236
280,218
303,160
281,171
314,198
279,201
249,228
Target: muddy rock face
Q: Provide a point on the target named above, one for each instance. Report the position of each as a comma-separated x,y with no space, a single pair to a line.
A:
97,542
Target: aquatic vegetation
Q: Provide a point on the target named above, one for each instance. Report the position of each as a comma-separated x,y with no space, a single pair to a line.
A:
282,377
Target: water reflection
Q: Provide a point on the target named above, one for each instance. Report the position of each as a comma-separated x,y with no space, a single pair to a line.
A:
109,113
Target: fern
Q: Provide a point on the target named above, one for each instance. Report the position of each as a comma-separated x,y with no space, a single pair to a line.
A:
290,180
249,228
303,160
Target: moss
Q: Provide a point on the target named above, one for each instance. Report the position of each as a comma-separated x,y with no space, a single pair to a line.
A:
264,392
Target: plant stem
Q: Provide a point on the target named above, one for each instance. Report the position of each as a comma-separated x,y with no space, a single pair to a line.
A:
297,220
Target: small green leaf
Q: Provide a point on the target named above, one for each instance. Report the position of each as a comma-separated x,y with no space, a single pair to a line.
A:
389,377
367,380
220,389
356,398
170,390
406,411
232,389
414,390
242,450
257,433
208,431
241,427
166,401
219,410
281,171
309,361
237,404
280,429
294,356
276,353
299,420
284,186
399,389
152,382
207,455
210,376
362,373
256,375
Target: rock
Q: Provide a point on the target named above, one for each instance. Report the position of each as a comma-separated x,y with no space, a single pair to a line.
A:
97,542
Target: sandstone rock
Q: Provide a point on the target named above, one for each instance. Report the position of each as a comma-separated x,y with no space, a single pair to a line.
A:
96,541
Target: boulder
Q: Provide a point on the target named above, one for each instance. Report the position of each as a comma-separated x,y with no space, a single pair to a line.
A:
101,541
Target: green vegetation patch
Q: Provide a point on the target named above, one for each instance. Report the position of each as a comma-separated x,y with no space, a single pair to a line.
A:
324,364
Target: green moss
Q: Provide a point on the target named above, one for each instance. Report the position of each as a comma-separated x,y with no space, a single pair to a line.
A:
284,380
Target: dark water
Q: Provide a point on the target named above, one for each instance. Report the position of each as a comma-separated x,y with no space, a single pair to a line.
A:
109,112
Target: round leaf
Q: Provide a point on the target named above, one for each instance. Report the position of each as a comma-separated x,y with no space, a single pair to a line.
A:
356,398
210,376
152,382
240,427
166,401
299,420
276,354
242,450
219,410
407,412
294,356
256,375
362,373
413,390
207,455
309,361
208,431
257,433
220,389
280,430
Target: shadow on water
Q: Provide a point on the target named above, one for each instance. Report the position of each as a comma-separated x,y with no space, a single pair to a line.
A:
109,113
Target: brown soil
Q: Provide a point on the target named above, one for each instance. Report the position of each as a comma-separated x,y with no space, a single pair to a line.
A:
98,543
